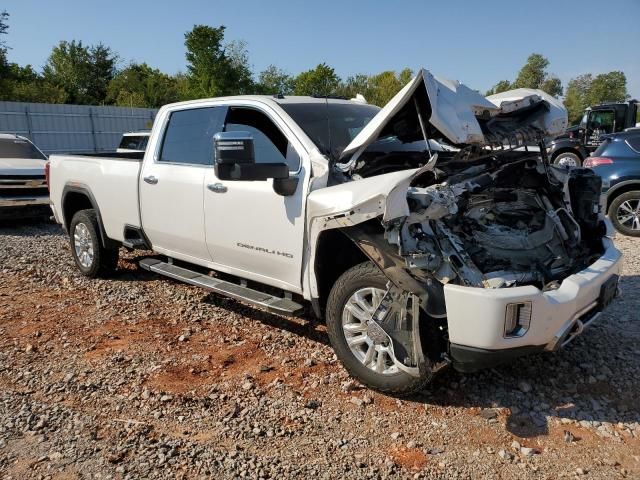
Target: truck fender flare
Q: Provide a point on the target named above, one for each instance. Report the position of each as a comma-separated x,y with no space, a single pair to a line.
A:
83,189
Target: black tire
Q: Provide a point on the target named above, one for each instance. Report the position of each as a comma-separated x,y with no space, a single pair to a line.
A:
362,276
104,261
568,155
617,209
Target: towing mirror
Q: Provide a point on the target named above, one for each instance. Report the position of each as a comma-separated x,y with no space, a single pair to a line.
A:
235,159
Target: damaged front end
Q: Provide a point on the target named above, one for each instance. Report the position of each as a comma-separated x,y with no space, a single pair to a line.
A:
482,211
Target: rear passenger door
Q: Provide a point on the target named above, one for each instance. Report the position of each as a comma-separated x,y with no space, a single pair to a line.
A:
251,230
172,183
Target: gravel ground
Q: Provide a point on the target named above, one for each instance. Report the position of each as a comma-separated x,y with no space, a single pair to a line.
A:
141,377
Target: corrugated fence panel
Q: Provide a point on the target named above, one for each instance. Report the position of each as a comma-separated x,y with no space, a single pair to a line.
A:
73,128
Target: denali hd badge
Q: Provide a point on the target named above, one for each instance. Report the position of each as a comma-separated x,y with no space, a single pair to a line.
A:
265,250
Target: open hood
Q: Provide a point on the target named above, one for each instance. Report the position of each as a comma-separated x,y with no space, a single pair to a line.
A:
453,113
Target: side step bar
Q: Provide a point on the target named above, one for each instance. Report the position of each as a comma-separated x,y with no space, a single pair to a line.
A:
282,306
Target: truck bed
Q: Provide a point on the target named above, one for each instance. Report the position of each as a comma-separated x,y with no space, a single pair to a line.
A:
110,180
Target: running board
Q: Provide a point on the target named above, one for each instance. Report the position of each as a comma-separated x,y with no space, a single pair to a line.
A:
282,306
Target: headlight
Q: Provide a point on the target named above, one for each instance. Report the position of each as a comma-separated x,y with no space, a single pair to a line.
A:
517,319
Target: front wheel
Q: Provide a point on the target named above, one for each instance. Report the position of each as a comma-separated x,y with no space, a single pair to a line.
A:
352,301
92,259
624,213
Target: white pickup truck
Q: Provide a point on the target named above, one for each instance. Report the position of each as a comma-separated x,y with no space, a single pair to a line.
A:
423,232
23,189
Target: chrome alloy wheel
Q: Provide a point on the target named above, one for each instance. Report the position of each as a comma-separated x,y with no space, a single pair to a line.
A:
628,214
83,245
567,161
355,318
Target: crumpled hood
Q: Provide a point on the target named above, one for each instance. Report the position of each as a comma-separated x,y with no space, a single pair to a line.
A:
21,166
453,112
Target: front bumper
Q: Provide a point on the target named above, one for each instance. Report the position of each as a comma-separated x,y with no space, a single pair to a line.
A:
476,316
12,208
18,201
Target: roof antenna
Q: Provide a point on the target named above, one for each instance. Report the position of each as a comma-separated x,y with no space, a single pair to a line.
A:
424,131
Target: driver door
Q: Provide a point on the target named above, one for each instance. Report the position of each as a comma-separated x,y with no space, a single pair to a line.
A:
252,231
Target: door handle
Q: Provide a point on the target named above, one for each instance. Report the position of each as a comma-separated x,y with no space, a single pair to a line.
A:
151,180
217,187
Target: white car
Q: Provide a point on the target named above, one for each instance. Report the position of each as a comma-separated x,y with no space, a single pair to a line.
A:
133,142
23,188
421,232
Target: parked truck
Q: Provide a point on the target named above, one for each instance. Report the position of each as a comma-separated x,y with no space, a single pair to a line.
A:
579,141
424,233
23,190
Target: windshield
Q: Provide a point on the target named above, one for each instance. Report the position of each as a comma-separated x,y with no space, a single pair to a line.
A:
19,148
331,126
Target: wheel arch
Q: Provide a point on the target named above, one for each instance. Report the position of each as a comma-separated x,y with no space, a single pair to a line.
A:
621,188
79,197
335,254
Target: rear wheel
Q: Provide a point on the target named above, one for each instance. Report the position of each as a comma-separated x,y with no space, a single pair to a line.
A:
352,301
568,159
92,259
624,213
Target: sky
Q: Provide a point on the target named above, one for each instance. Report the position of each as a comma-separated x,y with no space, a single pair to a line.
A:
477,42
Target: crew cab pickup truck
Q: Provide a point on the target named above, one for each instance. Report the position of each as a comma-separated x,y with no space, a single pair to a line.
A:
424,233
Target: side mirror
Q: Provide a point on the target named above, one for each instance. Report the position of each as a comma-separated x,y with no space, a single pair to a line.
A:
235,159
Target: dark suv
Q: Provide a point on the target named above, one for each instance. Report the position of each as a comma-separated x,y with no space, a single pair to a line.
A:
617,161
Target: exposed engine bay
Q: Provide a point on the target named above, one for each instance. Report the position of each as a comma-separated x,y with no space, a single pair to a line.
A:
505,222
480,209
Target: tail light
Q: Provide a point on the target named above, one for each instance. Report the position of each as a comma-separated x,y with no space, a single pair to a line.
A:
47,175
591,162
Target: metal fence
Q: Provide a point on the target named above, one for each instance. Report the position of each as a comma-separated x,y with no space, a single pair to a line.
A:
73,128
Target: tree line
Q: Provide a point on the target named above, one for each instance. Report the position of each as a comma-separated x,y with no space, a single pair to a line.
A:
76,73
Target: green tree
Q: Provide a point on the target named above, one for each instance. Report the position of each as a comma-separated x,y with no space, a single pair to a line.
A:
272,81
533,74
501,86
24,84
576,97
354,85
608,87
82,72
213,69
384,86
321,80
4,27
586,90
377,89
139,85
238,55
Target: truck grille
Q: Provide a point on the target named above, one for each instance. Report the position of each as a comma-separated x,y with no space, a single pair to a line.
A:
23,186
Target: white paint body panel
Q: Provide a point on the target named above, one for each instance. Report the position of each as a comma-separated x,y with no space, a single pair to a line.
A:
476,316
172,210
113,183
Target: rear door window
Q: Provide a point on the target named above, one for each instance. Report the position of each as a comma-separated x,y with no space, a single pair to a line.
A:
188,138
